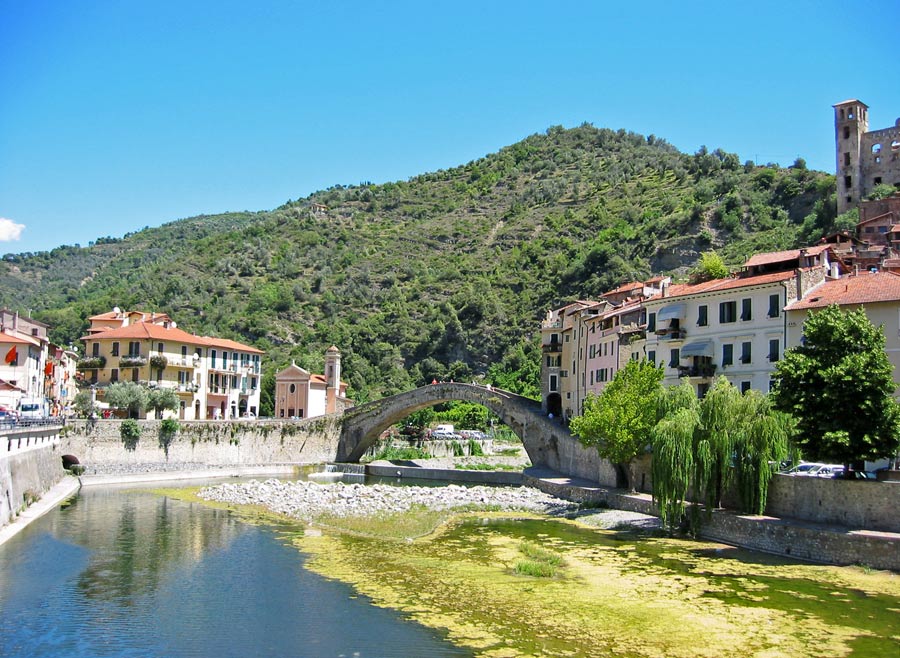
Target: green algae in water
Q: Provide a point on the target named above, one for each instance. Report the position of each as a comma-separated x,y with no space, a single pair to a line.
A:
620,594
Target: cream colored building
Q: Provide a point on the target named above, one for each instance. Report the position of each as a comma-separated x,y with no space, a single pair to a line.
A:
878,294
301,394
734,326
214,378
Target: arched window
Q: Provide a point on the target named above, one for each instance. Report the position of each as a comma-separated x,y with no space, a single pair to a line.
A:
876,149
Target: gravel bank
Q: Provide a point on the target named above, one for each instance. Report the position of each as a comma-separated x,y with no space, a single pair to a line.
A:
306,500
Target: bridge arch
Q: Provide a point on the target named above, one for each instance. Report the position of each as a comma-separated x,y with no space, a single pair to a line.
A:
362,425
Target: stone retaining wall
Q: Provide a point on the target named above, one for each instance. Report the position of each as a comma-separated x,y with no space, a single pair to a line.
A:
208,442
850,503
27,472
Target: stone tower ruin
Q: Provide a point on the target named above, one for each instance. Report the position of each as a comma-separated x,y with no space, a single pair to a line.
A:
863,159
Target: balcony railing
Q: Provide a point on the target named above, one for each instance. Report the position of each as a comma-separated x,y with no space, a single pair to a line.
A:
132,361
708,370
91,363
552,347
671,334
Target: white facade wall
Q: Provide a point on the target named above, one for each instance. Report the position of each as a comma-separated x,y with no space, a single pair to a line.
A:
763,332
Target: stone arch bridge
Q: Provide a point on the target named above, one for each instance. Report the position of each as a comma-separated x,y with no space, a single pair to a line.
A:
547,441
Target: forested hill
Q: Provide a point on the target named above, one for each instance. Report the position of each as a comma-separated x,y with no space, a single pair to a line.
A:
443,275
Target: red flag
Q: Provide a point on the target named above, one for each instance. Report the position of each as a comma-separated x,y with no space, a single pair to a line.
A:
48,369
12,356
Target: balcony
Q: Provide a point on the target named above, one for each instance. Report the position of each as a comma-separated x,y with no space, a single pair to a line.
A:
91,363
706,370
671,334
132,361
551,347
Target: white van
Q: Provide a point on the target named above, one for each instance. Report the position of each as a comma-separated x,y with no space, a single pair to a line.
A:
33,408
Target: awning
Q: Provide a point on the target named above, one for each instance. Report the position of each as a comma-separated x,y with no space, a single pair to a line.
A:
697,348
670,312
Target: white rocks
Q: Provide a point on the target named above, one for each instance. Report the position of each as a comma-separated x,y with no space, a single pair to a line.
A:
305,500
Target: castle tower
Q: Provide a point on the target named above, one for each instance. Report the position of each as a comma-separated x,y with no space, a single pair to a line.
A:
851,122
332,378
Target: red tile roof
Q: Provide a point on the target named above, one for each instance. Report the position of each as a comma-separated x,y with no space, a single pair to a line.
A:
864,288
783,256
145,330
684,289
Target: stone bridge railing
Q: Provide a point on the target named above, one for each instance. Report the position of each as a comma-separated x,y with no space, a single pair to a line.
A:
547,441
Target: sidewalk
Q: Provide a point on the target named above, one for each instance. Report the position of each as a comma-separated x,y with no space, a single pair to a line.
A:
59,492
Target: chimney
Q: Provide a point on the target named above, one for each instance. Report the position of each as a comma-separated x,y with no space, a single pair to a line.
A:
835,271
665,288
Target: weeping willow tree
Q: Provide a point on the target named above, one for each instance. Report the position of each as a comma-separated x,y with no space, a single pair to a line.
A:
762,444
699,446
673,464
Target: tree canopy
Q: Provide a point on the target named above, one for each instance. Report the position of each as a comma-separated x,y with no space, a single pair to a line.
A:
618,422
839,386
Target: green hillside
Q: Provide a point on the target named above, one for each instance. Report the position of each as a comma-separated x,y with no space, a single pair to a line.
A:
444,275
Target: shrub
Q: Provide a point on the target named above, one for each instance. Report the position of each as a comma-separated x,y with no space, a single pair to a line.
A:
168,430
130,432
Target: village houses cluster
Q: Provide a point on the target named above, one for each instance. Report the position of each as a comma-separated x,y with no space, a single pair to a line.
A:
739,326
213,378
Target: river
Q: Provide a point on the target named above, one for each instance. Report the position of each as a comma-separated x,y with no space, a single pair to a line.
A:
124,572
119,572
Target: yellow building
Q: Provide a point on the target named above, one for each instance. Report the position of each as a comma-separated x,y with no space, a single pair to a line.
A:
213,377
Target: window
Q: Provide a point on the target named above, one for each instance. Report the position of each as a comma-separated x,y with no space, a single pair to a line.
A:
774,306
727,312
115,348
702,390
882,229
212,356
745,386
95,349
554,383
651,356
134,348
160,348
877,180
727,354
135,374
592,377
703,316
773,350
745,352
114,375
674,358
848,182
746,310
651,322
184,351
846,132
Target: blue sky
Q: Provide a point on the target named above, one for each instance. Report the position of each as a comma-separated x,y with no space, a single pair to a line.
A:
118,115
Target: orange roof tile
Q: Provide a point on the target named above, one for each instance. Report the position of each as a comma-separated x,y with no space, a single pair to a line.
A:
782,256
684,289
145,330
864,288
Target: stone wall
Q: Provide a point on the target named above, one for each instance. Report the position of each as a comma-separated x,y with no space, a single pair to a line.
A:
253,442
850,503
829,545
30,463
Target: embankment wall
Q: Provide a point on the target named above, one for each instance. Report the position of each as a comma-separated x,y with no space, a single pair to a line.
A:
29,465
208,442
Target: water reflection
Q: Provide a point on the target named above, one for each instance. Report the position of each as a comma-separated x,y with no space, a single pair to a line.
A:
124,573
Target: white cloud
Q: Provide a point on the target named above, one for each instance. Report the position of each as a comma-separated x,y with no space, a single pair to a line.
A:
9,230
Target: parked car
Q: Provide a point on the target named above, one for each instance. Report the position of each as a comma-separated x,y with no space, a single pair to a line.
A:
827,471
804,468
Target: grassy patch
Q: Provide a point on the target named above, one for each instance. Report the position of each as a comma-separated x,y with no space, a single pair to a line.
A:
539,562
481,466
